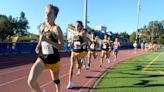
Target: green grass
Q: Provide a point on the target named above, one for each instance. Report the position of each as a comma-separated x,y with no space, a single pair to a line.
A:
130,77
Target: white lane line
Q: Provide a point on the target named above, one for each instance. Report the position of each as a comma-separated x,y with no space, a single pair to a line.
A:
10,70
46,84
14,71
9,82
3,84
17,79
20,69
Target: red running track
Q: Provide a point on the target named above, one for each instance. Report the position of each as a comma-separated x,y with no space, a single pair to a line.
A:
14,79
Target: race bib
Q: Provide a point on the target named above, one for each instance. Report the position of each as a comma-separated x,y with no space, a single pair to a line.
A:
104,46
92,46
46,48
75,45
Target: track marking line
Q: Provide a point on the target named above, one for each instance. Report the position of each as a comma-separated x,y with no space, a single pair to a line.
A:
161,72
13,81
20,69
151,62
48,83
17,79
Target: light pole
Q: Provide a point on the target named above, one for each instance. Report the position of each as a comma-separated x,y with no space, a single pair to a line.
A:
85,13
138,11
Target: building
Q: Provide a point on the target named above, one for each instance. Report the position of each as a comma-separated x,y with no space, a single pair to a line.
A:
101,28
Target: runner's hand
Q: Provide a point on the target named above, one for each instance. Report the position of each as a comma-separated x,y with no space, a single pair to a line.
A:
37,50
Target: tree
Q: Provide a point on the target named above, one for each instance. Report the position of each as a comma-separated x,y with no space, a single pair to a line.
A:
153,32
22,24
124,35
5,27
11,26
132,37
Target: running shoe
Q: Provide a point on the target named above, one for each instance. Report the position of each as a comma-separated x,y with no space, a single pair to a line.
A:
78,72
70,85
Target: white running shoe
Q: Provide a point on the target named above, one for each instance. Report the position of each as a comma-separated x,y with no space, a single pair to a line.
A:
43,90
84,66
78,72
108,60
83,62
70,85
97,55
87,67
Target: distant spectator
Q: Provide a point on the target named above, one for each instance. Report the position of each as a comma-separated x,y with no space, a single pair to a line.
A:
9,44
142,45
150,47
4,46
146,46
135,47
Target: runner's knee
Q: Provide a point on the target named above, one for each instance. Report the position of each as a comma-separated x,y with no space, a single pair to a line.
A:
57,81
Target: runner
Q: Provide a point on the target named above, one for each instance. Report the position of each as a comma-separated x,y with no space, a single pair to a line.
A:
142,46
78,42
146,47
50,41
85,50
92,48
109,49
116,48
150,47
104,48
135,47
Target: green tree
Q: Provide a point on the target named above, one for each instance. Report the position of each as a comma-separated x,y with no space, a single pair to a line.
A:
22,24
124,35
153,32
132,37
5,27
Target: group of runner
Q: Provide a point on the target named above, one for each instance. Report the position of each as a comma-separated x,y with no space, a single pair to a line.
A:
147,47
51,41
84,45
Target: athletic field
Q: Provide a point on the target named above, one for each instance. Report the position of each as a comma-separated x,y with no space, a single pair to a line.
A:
141,74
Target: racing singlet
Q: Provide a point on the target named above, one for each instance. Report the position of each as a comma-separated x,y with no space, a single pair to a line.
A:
77,40
105,46
49,54
110,46
46,47
93,46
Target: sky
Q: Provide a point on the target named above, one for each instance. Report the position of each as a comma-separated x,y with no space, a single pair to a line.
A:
117,15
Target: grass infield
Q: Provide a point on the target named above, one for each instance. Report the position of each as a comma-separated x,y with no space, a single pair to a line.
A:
141,74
